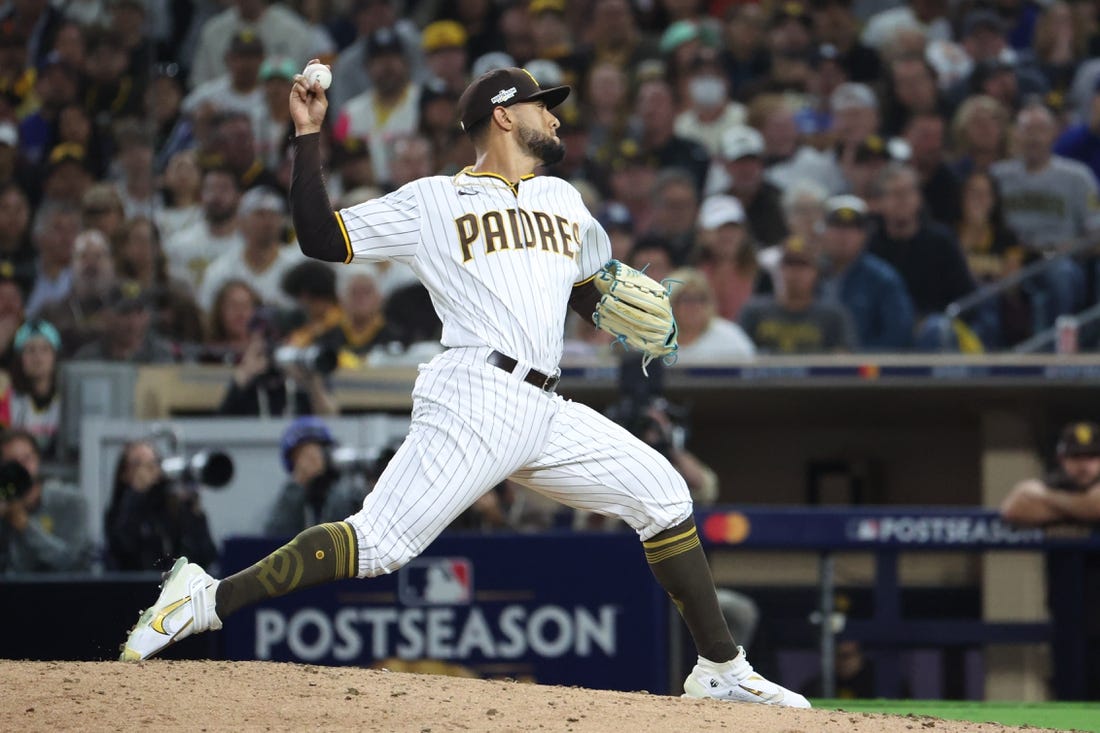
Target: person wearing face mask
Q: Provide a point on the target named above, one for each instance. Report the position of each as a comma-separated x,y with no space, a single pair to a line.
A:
710,112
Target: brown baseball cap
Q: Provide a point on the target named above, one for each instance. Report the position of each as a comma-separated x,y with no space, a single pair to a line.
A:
503,88
1080,439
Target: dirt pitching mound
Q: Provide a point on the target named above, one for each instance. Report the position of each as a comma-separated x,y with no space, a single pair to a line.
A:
264,696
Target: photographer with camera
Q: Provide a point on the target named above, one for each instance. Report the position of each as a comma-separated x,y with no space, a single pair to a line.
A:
43,525
318,489
272,380
153,519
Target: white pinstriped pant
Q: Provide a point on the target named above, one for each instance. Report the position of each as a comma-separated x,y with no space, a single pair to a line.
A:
474,425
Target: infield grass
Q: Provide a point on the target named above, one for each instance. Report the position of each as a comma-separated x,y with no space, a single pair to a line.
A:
1082,716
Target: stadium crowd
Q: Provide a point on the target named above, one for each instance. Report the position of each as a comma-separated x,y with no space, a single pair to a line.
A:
811,176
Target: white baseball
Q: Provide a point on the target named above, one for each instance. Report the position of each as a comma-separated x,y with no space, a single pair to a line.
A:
319,73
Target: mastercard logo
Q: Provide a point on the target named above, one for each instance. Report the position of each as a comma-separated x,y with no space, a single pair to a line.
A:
730,528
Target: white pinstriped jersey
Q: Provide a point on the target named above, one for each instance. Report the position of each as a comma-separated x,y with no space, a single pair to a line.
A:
499,260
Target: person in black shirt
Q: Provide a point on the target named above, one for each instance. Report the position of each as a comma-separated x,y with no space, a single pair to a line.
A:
742,151
656,110
151,520
925,254
1070,494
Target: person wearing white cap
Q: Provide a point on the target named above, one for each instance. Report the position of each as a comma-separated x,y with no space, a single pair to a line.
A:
263,259
742,151
727,255
871,290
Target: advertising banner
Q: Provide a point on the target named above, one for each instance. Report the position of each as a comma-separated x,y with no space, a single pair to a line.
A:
563,609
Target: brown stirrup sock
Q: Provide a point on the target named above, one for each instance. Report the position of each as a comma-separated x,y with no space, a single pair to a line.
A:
317,555
677,561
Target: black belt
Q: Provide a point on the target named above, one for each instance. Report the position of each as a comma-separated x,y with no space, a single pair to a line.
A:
533,376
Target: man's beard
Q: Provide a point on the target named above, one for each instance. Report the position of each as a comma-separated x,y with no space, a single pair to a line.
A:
541,146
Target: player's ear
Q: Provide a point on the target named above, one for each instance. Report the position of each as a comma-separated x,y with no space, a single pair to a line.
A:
502,119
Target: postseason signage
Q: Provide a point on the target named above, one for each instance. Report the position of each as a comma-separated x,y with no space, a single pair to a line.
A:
855,528
556,609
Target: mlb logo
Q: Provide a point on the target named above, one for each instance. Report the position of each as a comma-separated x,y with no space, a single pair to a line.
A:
436,581
867,530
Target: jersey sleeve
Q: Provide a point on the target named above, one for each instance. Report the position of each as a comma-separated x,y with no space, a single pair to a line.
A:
595,252
386,228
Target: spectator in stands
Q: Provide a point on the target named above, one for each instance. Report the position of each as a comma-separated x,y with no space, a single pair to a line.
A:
312,286
389,108
192,250
80,315
619,225
271,119
139,257
56,86
710,112
985,41
726,255
704,336
411,159
259,387
993,252
655,254
36,399
924,253
281,30
928,17
675,207
795,320
109,87
182,196
127,330
788,161
127,18
362,325
37,23
173,132
742,156
606,103
451,148
1050,203
316,491
238,88
837,27
630,179
151,519
979,132
234,147
1070,494
855,117
614,35
655,108
939,186
11,312
67,176
45,530
350,77
871,290
744,54
444,45
135,164
1081,142
262,260
911,90
16,246
102,209
1060,45
88,143
55,228
228,334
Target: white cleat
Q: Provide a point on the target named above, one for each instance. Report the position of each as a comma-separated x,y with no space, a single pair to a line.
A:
185,607
736,680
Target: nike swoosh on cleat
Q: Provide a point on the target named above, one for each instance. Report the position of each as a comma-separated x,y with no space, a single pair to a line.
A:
158,620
